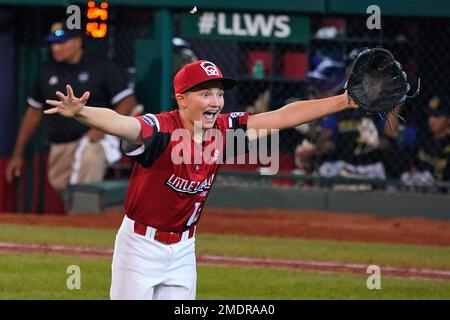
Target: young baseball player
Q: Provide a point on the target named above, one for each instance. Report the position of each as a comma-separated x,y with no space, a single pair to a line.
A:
154,253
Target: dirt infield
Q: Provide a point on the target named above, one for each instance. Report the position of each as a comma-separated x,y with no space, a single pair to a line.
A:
277,223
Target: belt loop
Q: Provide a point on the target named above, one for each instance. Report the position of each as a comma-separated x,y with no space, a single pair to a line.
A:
151,232
185,235
191,231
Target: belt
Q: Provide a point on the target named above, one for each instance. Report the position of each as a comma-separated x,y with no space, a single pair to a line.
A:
163,236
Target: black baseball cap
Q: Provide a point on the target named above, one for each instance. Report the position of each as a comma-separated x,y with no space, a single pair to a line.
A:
60,33
439,105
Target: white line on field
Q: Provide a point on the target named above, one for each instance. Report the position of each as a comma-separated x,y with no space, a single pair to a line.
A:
205,259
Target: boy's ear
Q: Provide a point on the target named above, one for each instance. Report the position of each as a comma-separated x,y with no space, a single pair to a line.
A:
180,100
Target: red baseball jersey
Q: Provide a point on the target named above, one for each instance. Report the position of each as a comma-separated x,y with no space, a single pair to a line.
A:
173,174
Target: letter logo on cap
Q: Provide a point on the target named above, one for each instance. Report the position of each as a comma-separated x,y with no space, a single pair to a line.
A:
210,68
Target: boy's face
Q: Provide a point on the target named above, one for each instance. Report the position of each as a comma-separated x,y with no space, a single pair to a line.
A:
203,103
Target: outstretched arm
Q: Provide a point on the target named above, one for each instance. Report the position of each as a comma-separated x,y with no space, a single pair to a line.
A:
103,119
296,113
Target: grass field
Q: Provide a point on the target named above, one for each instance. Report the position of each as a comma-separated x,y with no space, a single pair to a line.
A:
44,277
321,250
40,276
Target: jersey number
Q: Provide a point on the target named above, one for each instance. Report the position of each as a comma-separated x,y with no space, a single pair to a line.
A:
195,214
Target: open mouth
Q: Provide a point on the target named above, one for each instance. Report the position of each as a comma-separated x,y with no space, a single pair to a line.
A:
210,115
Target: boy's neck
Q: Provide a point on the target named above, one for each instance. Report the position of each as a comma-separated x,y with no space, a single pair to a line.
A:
195,132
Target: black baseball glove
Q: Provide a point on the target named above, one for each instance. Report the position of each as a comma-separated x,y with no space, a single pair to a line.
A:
377,82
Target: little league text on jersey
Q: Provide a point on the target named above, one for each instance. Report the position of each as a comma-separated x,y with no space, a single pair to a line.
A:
188,186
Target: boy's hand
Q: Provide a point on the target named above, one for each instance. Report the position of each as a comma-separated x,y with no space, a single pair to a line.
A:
68,106
351,104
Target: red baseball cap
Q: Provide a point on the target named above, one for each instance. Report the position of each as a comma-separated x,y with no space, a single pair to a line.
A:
199,72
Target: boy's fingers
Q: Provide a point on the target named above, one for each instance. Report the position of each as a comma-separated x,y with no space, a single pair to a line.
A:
85,97
51,111
69,91
60,95
54,103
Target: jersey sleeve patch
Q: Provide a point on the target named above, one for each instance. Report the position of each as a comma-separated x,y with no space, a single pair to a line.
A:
155,142
238,120
149,125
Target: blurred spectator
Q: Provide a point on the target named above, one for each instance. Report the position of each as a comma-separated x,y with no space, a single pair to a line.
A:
344,144
182,54
326,80
261,104
432,155
356,143
398,142
77,153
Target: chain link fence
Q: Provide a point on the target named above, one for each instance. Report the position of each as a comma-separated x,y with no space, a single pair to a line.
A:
272,74
352,145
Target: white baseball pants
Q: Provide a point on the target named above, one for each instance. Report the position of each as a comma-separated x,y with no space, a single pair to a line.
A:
145,269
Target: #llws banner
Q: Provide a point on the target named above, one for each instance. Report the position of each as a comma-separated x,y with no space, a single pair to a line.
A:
246,27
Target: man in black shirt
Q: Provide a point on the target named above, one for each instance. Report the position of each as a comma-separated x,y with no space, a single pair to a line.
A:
356,146
432,155
77,153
